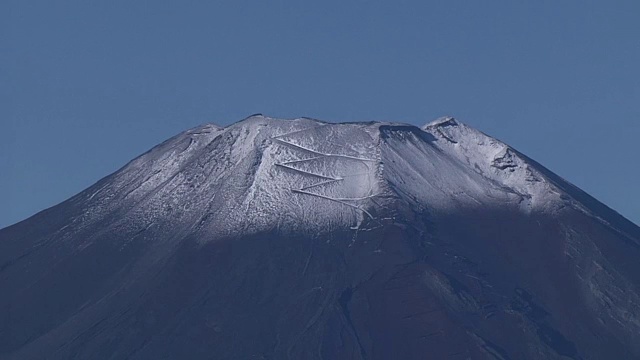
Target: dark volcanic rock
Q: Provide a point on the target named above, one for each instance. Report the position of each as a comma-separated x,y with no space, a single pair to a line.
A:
297,239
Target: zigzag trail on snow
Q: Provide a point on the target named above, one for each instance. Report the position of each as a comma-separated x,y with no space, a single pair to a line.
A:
262,173
323,241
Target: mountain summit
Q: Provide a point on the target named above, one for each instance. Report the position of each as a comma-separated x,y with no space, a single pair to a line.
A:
301,239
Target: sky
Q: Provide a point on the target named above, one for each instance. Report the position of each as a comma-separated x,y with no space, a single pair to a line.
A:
85,86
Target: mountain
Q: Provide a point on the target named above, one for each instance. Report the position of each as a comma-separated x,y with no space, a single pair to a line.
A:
300,239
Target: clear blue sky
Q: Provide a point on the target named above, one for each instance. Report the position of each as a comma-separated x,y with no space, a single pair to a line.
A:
86,86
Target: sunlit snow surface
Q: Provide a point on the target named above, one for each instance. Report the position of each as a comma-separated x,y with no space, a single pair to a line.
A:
264,173
323,241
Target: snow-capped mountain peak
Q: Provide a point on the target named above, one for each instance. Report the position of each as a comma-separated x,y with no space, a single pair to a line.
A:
262,173
323,241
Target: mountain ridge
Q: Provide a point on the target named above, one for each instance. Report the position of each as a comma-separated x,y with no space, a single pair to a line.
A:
210,133
329,241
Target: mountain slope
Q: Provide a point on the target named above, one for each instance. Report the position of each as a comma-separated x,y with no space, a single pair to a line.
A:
273,239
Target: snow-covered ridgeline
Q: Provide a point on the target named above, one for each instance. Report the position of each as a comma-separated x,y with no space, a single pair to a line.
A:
263,173
496,161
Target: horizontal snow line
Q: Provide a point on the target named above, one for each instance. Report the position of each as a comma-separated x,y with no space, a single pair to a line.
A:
303,160
320,184
332,199
307,172
330,181
324,157
322,154
357,198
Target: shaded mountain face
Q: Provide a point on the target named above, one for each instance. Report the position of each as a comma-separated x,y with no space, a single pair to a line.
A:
299,239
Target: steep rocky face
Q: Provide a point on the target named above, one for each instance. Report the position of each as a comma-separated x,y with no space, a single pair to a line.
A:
275,239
